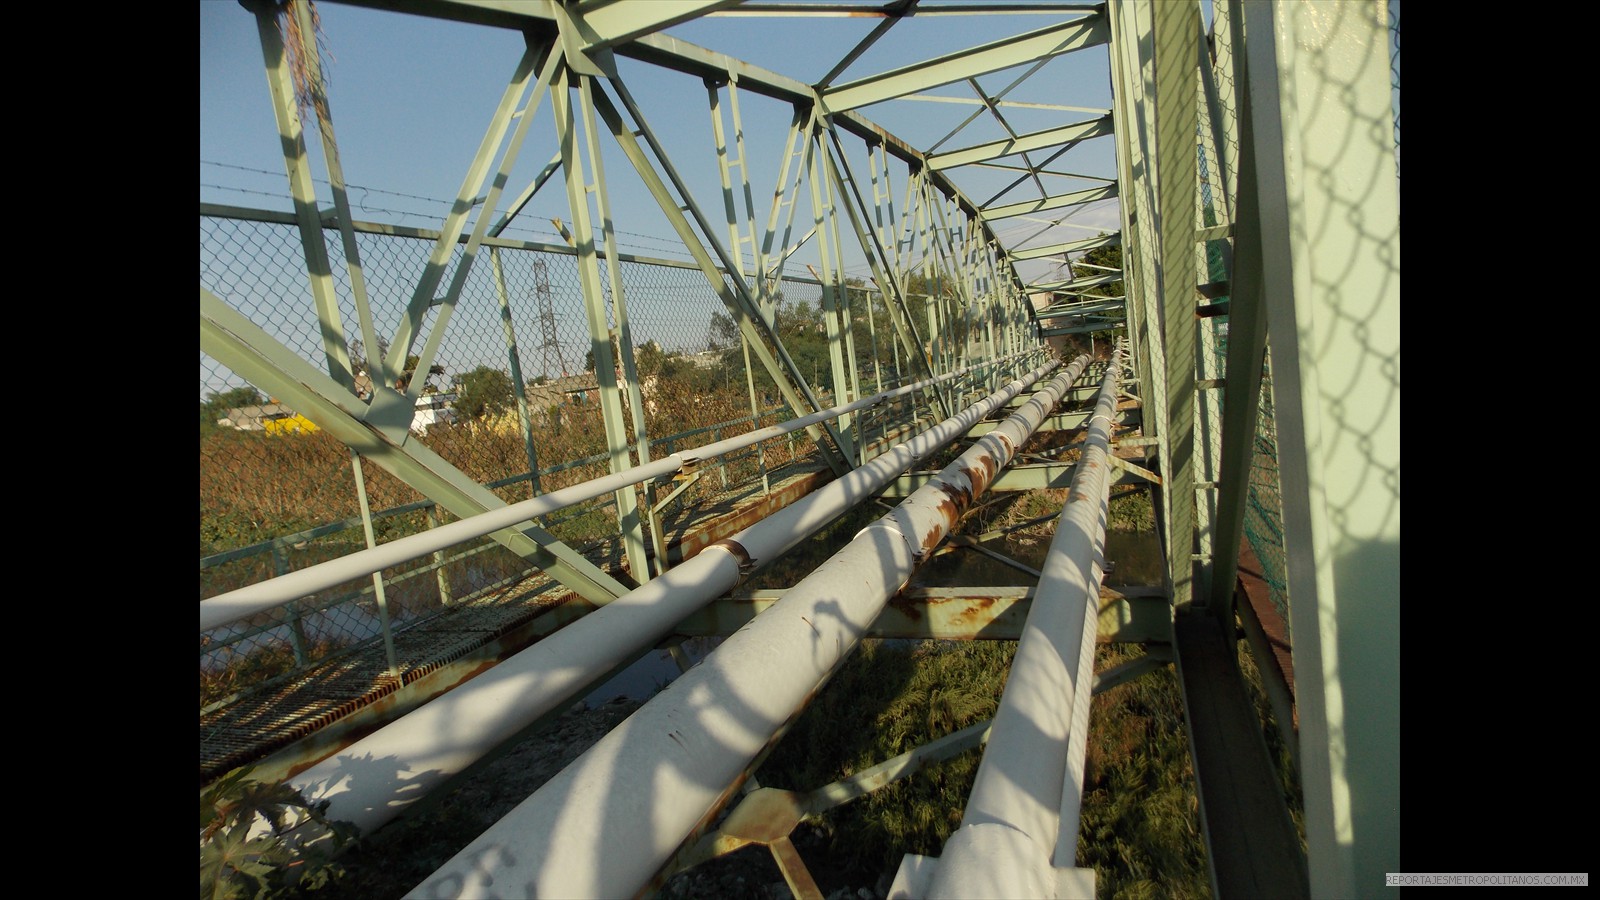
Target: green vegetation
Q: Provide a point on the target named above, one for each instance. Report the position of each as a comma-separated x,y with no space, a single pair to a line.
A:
234,865
1131,511
1140,823
1140,827
217,404
484,391
888,698
1094,263
237,671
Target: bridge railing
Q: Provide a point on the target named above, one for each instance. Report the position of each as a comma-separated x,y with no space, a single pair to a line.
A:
311,631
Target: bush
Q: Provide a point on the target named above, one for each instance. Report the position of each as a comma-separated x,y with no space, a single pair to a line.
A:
233,864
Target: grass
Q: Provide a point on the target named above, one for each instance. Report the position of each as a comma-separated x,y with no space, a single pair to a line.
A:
1139,829
238,671
890,697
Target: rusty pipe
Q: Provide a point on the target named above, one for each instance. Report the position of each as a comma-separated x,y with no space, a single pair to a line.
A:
671,766
425,748
1021,819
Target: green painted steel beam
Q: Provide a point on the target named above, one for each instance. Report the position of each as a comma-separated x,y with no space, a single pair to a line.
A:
1176,180
861,10
1330,220
884,271
323,108
463,265
1041,44
1026,207
1009,104
606,23
1247,324
1079,309
1109,240
629,520
1094,281
291,138
734,293
423,296
241,345
1085,329
1036,140
825,220
682,56
224,211
894,12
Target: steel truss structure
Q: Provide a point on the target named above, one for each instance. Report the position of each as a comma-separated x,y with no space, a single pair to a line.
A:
1256,182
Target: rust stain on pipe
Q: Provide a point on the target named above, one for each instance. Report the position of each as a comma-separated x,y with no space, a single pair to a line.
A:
737,550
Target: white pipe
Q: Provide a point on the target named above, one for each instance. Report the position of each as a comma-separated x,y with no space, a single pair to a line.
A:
376,778
247,601
1021,818
606,823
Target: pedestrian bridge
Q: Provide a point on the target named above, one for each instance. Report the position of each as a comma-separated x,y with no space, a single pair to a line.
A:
1008,249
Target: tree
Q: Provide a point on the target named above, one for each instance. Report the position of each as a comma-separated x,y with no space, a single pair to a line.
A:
483,392
723,333
648,358
217,404
1102,258
360,366
411,369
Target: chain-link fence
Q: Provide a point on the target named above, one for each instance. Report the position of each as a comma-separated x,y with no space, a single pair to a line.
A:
278,494
1263,512
1394,71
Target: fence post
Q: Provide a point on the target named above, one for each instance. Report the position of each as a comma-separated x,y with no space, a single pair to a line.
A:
445,596
377,577
297,631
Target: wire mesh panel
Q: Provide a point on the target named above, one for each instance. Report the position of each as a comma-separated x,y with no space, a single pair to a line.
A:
279,494
1394,68
1263,514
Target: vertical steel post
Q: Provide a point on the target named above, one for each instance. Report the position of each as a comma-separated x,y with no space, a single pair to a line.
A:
842,295
832,282
297,630
1330,212
446,594
519,387
1247,324
629,518
605,365
1174,60
735,241
885,272
378,594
